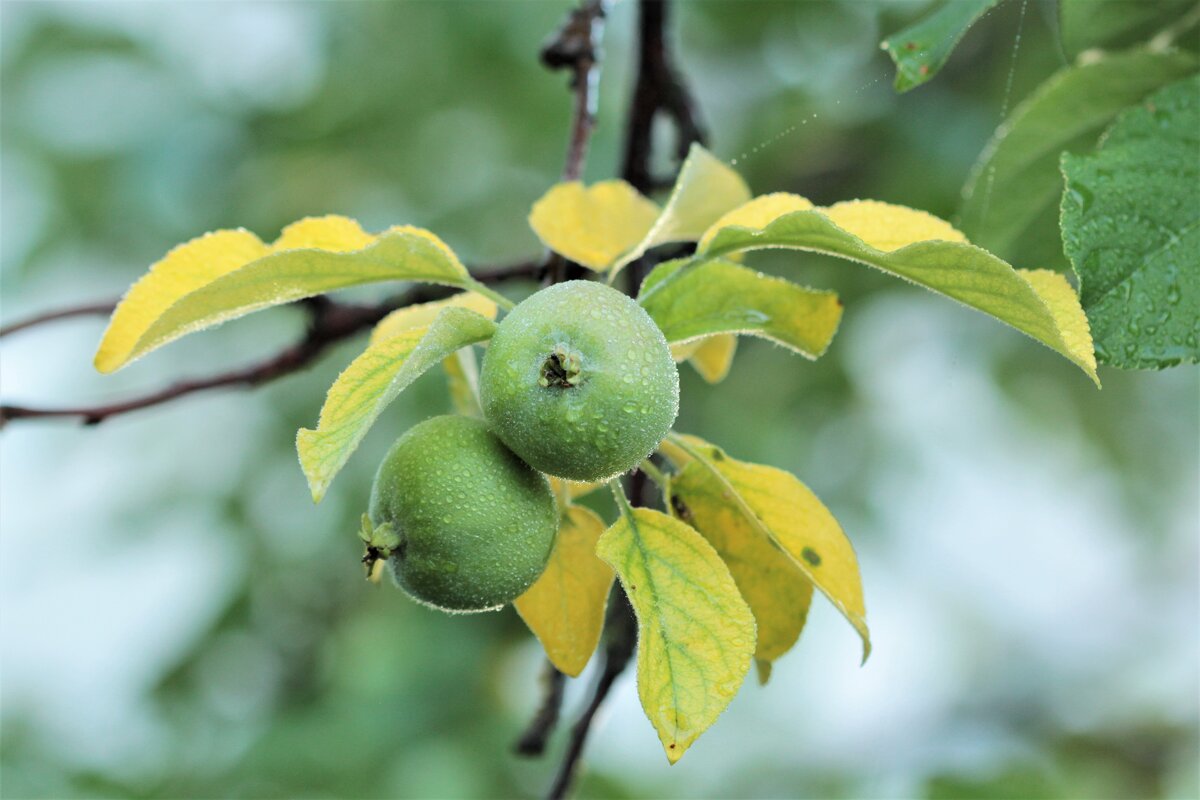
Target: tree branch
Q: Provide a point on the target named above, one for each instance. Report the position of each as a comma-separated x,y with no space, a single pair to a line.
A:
533,741
620,631
575,46
101,308
658,88
329,322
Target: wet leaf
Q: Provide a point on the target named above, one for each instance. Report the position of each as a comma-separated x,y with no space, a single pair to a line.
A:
715,297
1131,228
1010,204
695,632
228,274
783,512
929,252
772,583
372,381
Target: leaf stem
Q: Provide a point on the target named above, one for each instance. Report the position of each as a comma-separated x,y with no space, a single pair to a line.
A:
619,495
491,294
656,474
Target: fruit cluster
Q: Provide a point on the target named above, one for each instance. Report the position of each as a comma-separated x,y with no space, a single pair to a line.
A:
577,383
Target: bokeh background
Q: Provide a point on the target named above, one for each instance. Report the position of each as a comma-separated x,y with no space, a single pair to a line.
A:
178,620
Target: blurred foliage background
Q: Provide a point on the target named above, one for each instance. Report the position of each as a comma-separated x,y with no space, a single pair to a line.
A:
178,619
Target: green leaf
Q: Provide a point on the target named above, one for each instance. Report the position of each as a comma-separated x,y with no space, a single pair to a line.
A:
783,512
226,275
776,589
372,381
1010,201
695,632
716,296
1131,228
1114,23
705,189
917,247
920,50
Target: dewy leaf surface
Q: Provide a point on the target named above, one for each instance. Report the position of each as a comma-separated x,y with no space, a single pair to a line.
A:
920,50
229,274
372,381
695,632
773,585
422,315
784,512
565,607
1112,23
592,226
928,252
705,189
1010,203
462,370
719,297
1131,228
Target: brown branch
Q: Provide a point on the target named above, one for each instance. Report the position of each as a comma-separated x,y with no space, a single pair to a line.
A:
575,46
532,742
620,631
329,322
102,308
658,88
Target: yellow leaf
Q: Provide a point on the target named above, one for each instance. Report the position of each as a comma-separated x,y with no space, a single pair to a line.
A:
757,213
332,233
565,607
928,252
774,586
183,270
422,315
711,356
572,490
372,381
705,189
695,632
889,227
462,373
714,356
228,274
1060,298
786,513
592,226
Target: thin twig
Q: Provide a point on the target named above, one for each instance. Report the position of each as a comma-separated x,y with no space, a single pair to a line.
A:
330,322
620,630
532,742
94,309
658,89
575,46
